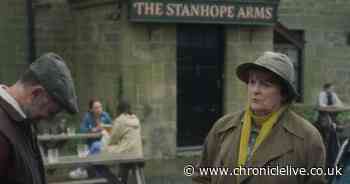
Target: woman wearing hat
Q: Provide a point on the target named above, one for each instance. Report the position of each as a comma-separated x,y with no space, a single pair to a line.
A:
266,134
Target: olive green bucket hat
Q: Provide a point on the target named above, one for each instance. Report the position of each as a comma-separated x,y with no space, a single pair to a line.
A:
275,62
53,74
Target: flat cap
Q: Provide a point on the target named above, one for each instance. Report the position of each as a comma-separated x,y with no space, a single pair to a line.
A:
53,74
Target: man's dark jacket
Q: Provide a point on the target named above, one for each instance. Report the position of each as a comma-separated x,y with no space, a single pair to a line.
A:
19,154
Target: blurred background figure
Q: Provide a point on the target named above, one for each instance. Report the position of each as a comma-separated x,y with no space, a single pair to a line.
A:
93,122
328,103
94,119
124,138
328,97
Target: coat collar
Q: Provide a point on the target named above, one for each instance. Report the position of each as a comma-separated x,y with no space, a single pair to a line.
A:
10,105
270,149
287,116
232,123
277,143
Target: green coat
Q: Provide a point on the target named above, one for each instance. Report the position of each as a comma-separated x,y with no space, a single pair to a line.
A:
293,141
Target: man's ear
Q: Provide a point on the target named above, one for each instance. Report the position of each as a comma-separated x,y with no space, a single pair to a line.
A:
37,90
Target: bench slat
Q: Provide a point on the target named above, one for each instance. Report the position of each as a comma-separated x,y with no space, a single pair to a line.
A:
98,159
87,181
58,137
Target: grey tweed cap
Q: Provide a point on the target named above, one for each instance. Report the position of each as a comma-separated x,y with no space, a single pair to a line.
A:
53,74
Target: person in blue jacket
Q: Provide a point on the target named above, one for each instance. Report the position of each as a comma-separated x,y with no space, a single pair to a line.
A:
94,119
93,122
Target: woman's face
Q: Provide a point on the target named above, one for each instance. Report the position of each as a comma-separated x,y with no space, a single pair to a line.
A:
264,93
96,108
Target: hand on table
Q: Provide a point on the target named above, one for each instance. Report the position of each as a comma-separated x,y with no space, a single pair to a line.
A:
96,130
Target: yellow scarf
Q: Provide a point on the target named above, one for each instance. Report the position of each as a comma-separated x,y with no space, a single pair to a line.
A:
265,130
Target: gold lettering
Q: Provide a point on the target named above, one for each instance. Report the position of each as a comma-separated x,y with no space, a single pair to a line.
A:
223,11
214,11
138,7
205,10
268,13
185,11
159,9
195,10
170,10
230,12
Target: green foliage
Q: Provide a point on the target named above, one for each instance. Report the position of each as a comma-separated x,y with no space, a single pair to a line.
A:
344,117
306,111
310,113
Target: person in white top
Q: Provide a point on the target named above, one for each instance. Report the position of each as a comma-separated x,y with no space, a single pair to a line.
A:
328,97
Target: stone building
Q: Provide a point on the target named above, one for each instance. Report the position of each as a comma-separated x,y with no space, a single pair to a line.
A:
180,77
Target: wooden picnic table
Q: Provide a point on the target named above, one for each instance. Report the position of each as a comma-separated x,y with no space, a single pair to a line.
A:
64,136
102,160
334,109
97,161
44,138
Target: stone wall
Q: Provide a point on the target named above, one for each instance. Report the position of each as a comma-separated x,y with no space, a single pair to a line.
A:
13,40
149,81
112,58
243,44
327,53
88,39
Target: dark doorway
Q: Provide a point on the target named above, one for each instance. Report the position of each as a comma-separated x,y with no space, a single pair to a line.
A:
200,52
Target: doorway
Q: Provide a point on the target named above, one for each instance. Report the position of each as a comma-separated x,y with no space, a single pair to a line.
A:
200,55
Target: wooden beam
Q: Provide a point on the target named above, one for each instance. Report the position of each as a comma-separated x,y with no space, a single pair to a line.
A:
281,29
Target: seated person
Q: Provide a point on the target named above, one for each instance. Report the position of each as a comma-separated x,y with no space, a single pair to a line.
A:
94,119
125,136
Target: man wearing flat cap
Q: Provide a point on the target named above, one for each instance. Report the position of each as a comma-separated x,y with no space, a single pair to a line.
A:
44,89
266,133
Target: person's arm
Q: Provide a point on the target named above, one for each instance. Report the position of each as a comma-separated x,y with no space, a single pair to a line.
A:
108,119
118,131
122,145
85,124
5,152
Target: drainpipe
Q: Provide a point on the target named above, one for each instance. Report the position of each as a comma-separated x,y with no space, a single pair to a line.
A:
30,32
